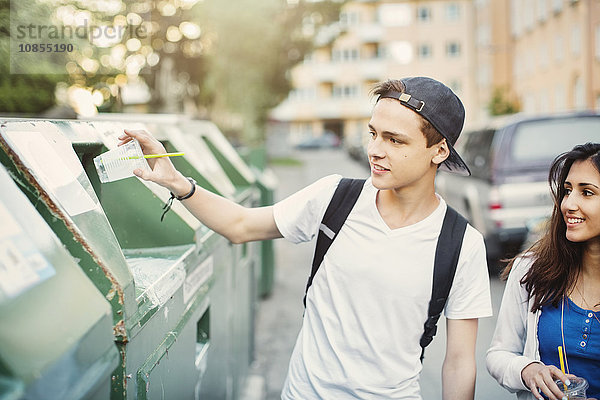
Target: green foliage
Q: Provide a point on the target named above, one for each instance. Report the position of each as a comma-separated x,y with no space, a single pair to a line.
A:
27,94
253,53
500,105
235,72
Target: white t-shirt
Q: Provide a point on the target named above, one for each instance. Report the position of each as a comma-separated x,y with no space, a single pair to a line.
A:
368,302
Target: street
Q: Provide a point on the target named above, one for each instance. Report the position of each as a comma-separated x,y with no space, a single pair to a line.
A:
279,316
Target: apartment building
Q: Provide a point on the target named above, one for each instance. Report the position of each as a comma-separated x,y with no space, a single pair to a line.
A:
494,49
556,63
373,41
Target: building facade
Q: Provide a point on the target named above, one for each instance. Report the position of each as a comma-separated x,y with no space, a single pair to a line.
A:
536,56
374,41
556,63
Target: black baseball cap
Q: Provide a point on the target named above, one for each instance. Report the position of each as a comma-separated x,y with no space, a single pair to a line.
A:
438,104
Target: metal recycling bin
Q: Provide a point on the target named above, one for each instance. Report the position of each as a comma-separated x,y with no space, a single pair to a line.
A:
56,337
182,297
225,168
233,292
242,176
155,276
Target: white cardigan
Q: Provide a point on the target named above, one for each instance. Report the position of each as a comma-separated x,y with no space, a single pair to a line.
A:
515,342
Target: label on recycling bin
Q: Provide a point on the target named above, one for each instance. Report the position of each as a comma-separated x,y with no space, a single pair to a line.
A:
55,163
22,266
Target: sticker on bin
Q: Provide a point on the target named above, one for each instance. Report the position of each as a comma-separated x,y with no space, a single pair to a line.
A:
119,163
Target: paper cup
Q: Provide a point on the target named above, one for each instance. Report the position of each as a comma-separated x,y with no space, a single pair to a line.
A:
120,162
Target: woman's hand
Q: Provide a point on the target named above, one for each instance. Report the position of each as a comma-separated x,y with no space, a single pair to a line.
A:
163,171
540,379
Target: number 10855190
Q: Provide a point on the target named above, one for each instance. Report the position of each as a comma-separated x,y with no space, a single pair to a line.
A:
45,48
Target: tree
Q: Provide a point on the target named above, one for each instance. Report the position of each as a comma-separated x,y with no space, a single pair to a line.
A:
251,48
229,59
21,93
500,104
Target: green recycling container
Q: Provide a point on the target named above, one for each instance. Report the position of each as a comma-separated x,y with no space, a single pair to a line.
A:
243,176
56,331
182,303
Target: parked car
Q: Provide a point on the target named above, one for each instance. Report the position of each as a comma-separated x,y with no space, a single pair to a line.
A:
509,160
327,140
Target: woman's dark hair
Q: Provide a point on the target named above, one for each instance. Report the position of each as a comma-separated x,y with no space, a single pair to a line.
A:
557,260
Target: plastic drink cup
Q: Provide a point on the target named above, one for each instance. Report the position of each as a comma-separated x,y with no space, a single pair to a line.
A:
576,390
120,162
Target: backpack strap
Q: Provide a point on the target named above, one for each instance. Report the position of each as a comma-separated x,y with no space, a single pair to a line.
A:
343,200
444,268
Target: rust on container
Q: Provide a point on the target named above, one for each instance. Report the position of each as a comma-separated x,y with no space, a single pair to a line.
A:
57,212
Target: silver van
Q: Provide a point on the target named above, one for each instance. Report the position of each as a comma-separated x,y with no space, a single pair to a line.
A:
509,160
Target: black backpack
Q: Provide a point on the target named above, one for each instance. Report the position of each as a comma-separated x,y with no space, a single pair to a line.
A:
446,253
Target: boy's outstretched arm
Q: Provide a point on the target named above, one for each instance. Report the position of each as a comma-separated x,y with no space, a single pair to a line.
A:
460,368
237,223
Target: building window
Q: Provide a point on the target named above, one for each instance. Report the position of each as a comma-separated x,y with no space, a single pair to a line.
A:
542,10
335,55
344,92
344,55
576,40
543,102
381,52
453,49
423,14
528,14
579,94
349,18
558,48
484,35
560,103
598,42
516,18
452,12
557,5
543,60
424,51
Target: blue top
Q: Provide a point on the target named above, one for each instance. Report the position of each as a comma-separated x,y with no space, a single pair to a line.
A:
582,341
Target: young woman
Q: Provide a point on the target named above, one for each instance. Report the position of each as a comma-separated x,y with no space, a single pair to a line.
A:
552,296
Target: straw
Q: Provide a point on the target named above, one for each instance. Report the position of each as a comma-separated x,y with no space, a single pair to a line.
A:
154,156
562,363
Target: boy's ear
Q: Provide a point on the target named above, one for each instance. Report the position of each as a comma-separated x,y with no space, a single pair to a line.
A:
441,152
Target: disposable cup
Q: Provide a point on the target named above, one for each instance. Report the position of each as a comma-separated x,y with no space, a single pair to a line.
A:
576,390
120,162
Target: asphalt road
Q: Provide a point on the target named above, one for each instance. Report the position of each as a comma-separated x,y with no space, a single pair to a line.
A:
280,315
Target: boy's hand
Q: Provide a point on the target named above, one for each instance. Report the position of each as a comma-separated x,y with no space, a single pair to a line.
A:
163,171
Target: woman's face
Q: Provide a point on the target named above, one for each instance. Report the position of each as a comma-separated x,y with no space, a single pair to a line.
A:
580,206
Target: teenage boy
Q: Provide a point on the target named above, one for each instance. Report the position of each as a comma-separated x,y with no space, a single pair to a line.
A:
368,302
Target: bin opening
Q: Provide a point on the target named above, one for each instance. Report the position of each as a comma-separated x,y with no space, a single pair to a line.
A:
202,341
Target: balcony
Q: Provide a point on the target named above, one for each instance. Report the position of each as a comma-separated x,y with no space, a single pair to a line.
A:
369,69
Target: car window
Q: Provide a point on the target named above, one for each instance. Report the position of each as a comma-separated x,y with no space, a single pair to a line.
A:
476,152
539,142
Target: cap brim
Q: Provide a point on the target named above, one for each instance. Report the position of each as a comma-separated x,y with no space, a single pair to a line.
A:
455,164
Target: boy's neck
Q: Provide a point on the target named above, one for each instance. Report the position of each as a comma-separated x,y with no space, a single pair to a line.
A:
400,208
